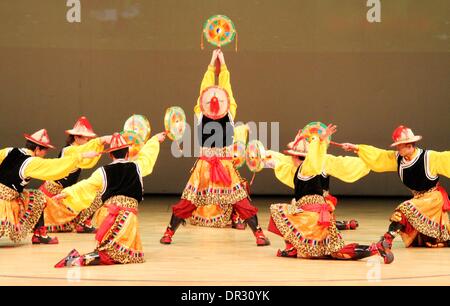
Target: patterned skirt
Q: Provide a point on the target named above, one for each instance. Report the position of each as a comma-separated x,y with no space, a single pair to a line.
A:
302,227
19,213
425,215
214,180
118,235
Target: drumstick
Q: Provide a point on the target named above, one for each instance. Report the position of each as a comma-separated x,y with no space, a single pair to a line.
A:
337,144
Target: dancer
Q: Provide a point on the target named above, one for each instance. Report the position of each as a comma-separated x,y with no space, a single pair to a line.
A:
287,166
59,218
121,187
307,225
214,179
422,220
21,210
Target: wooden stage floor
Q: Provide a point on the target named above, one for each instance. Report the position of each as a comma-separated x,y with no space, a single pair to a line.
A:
210,257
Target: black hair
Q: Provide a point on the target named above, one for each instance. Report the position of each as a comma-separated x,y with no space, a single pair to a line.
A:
70,139
32,146
122,153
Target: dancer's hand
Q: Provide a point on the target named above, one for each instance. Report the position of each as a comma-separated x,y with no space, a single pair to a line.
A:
331,129
350,147
270,162
106,139
215,53
161,136
90,154
221,57
59,196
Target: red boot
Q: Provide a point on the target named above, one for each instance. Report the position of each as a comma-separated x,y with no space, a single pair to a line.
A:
68,260
237,223
261,239
384,249
40,237
167,237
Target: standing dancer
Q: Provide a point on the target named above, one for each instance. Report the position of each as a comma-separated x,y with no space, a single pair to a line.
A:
21,210
121,187
307,225
214,179
59,218
422,220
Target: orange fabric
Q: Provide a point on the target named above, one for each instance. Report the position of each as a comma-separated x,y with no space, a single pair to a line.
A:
113,211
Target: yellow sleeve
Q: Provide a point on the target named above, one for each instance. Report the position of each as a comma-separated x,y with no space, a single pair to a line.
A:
92,145
284,168
241,133
315,159
208,80
82,194
439,163
378,160
346,168
224,82
3,154
146,158
50,169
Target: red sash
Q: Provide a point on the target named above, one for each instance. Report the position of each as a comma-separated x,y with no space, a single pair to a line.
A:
113,211
323,210
218,173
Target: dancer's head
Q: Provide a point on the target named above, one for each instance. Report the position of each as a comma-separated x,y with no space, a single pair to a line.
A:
38,143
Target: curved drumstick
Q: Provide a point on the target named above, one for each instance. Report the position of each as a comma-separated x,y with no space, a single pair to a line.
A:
337,144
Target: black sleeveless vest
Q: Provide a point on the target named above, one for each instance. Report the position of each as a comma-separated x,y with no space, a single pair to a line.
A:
415,174
122,178
208,129
314,185
71,179
12,170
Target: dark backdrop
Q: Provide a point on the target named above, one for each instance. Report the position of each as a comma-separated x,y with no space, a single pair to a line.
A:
298,61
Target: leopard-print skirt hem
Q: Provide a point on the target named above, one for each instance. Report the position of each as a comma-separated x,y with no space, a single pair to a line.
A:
32,203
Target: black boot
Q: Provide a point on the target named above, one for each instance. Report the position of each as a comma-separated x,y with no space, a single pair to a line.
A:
389,236
261,239
90,259
170,230
363,251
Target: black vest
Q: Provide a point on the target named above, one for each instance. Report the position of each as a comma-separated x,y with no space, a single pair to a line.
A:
314,185
71,179
122,178
11,170
209,127
415,174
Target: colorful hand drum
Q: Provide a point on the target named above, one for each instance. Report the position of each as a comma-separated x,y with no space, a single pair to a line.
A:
214,102
175,123
219,30
136,142
238,154
140,125
315,128
255,155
